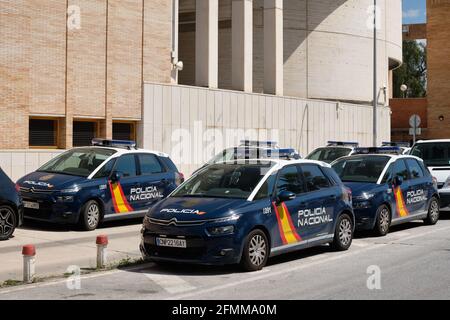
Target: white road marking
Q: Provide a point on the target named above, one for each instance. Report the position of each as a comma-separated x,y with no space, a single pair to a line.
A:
297,267
171,283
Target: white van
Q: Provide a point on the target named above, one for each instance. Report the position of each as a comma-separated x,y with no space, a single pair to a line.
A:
436,155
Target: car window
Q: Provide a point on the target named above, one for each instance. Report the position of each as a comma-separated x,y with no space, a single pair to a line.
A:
126,165
105,171
367,168
149,164
388,175
314,177
415,170
436,154
328,154
266,189
289,179
401,170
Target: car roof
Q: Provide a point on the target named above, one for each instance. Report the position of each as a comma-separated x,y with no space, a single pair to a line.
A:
433,141
279,162
393,157
121,151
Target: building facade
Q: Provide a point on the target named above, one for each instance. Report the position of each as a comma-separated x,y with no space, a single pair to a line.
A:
77,69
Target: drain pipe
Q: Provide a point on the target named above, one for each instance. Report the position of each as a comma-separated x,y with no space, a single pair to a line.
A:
174,53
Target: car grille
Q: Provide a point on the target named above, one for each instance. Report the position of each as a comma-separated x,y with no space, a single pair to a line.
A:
24,190
175,222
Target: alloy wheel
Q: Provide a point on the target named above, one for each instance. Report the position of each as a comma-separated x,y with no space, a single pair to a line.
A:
93,215
6,221
345,232
384,220
257,250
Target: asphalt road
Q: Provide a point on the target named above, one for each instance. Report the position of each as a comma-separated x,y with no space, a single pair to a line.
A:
412,263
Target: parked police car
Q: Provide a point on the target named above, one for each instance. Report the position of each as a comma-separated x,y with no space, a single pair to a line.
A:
246,211
11,208
388,188
436,155
334,150
109,180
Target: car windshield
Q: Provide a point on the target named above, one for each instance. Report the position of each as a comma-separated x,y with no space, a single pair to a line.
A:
225,180
361,169
328,154
434,154
78,162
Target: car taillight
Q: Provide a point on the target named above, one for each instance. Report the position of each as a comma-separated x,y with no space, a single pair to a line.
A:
17,187
179,178
346,194
435,182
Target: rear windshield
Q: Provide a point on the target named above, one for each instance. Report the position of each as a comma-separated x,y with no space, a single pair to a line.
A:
224,181
436,154
361,169
328,154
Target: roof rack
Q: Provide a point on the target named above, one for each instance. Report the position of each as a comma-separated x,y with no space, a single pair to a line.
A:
257,143
126,144
342,143
378,150
395,144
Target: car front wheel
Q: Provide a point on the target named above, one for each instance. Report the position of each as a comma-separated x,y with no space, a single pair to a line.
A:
256,251
383,221
433,212
8,222
90,215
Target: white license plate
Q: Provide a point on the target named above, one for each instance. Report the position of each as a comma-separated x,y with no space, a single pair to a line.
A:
174,243
31,205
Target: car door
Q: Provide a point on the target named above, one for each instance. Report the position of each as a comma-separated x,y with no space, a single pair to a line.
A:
126,168
417,194
320,202
154,182
402,208
289,179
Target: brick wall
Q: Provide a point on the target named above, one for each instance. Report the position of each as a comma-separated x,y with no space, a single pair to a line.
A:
438,49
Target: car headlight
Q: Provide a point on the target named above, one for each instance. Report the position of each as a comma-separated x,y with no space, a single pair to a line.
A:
73,189
364,196
215,231
231,218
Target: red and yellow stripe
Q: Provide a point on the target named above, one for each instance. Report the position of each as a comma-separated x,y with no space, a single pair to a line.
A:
287,230
120,202
400,202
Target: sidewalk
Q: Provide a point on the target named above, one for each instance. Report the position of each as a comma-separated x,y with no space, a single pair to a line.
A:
58,247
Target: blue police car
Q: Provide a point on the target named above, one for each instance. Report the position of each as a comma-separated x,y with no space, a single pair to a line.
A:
247,211
388,188
110,180
333,151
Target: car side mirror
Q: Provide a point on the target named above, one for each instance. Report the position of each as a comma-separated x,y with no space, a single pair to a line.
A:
284,196
115,176
398,181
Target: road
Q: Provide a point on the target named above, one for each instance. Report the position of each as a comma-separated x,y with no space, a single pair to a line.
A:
412,263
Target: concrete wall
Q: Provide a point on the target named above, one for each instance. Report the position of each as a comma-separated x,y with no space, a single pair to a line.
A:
327,47
177,117
17,163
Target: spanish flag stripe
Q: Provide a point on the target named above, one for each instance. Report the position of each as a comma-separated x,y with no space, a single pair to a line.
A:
116,208
120,202
125,201
283,238
288,231
288,215
401,207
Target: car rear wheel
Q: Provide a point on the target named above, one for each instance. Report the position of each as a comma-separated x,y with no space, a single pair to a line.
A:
343,234
433,212
8,222
383,221
90,215
256,251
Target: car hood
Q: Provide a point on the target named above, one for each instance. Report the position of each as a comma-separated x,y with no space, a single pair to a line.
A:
358,188
49,181
193,208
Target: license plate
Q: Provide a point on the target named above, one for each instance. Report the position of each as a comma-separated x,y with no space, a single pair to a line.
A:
31,205
174,243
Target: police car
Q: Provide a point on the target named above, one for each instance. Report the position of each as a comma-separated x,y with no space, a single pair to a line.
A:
110,180
334,150
247,211
436,155
388,188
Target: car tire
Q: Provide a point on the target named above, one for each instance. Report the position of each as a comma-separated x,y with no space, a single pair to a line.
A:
433,212
256,251
343,233
90,215
8,222
383,222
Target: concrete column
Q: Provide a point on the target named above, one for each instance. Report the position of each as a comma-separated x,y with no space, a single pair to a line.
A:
242,45
206,43
273,47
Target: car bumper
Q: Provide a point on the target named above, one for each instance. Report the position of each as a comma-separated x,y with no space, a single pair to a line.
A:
365,219
200,248
51,211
